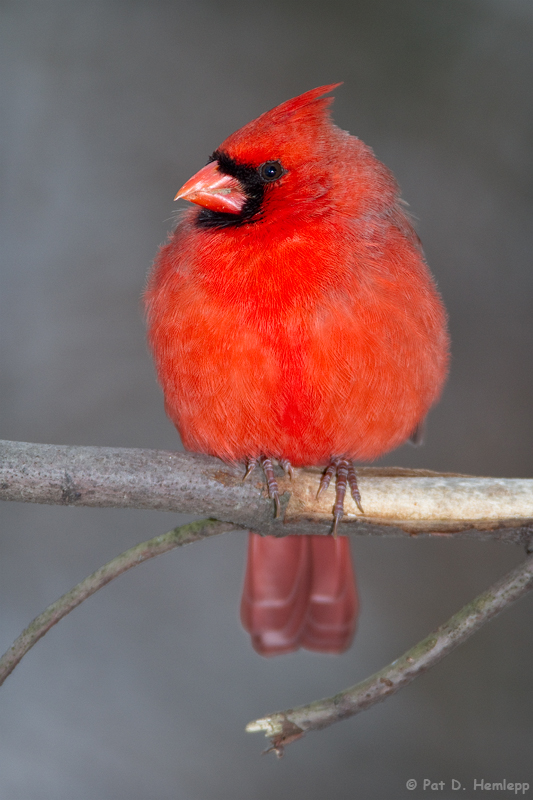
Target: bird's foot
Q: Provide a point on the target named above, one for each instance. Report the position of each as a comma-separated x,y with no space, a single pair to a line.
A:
287,467
268,469
250,466
344,472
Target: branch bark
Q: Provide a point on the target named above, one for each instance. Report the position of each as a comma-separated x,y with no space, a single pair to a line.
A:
284,727
125,561
397,502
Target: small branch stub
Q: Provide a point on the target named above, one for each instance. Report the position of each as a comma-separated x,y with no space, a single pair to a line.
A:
284,727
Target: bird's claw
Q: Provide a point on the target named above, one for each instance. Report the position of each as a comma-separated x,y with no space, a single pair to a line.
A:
344,472
345,476
326,478
250,466
287,467
272,484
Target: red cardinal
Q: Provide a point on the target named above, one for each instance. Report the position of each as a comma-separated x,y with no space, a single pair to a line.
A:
292,317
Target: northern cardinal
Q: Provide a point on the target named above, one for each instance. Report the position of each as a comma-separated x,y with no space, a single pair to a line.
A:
292,317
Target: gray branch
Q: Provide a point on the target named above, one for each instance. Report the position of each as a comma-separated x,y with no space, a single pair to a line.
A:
130,558
396,502
284,727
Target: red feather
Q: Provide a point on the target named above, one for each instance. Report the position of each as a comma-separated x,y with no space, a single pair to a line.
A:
296,320
299,592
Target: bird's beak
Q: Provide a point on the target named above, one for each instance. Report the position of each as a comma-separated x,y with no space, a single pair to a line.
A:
214,190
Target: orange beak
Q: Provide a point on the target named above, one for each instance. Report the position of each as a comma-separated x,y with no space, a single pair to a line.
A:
213,190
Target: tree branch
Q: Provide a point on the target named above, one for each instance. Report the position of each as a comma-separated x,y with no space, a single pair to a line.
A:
284,727
125,561
396,502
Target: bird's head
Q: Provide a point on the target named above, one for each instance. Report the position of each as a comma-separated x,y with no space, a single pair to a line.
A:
278,163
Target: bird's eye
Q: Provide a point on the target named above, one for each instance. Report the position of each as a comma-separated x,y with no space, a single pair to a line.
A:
271,171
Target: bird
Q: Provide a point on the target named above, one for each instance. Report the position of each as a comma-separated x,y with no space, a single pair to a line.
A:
293,320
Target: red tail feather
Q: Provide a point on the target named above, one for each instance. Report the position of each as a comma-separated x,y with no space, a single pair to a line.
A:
299,592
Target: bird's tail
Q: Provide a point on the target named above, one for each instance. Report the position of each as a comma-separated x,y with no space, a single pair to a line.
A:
299,591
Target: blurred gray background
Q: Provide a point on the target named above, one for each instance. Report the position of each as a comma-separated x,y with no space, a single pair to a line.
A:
144,691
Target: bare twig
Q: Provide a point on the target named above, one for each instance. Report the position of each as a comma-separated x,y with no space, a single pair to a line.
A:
396,502
284,727
130,558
